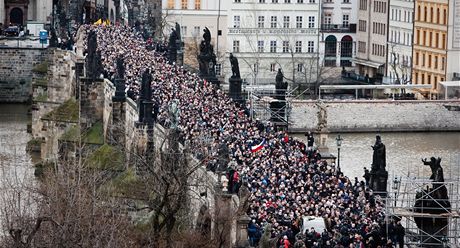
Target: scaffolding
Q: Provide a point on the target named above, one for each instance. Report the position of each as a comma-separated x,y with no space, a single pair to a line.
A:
400,201
261,99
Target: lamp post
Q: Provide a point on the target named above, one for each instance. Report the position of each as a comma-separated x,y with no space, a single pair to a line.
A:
395,187
338,141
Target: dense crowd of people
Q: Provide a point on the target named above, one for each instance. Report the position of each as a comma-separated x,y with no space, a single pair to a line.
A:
287,178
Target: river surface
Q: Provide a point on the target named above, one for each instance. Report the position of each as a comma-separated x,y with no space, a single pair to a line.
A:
16,167
404,152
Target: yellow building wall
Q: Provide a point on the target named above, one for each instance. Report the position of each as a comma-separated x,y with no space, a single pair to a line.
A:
430,42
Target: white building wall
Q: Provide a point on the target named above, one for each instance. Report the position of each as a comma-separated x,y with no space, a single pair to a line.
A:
453,43
258,63
334,19
400,41
44,10
2,11
193,21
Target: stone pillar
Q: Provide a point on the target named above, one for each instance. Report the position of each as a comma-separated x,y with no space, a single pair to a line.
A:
242,231
118,134
91,101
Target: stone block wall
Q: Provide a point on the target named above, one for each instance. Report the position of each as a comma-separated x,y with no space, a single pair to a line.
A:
377,116
16,73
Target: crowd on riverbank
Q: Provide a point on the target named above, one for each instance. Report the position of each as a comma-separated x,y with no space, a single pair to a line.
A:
287,178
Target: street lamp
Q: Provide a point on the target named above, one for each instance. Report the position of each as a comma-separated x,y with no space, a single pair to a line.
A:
338,141
395,187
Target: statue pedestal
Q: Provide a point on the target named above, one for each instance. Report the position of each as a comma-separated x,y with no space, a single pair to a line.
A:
235,89
378,182
180,58
322,147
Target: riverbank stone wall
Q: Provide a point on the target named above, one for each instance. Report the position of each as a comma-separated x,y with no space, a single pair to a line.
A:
377,116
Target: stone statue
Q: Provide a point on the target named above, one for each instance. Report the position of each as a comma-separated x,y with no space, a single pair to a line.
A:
244,195
279,77
379,155
207,59
235,66
93,58
174,114
120,67
53,38
434,201
322,116
281,86
207,35
172,46
266,241
378,174
146,89
179,36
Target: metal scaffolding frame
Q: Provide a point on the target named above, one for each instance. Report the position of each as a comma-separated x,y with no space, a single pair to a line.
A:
400,201
260,100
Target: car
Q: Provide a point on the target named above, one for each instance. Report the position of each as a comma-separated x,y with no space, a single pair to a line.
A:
12,31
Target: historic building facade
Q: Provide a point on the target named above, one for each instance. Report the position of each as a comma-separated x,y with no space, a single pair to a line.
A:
372,38
430,43
400,41
194,16
267,35
338,32
18,12
453,43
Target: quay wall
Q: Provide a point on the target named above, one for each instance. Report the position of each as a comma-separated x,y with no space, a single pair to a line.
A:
376,116
16,65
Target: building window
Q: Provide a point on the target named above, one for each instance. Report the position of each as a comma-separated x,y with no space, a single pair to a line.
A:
286,20
443,63
436,40
311,22
196,31
298,46
311,47
219,69
261,21
287,1
435,62
285,46
183,30
273,46
171,4
416,58
445,17
261,1
260,46
274,1
236,46
299,67
272,67
363,4
237,1
236,21
197,4
345,20
256,67
298,21
184,4
361,47
312,1
362,25
443,41
423,59
299,1
273,21
429,61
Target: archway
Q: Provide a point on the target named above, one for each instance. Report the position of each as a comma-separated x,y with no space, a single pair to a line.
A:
17,16
330,53
346,51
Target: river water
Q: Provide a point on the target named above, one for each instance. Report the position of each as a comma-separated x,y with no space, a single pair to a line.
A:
16,167
404,152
